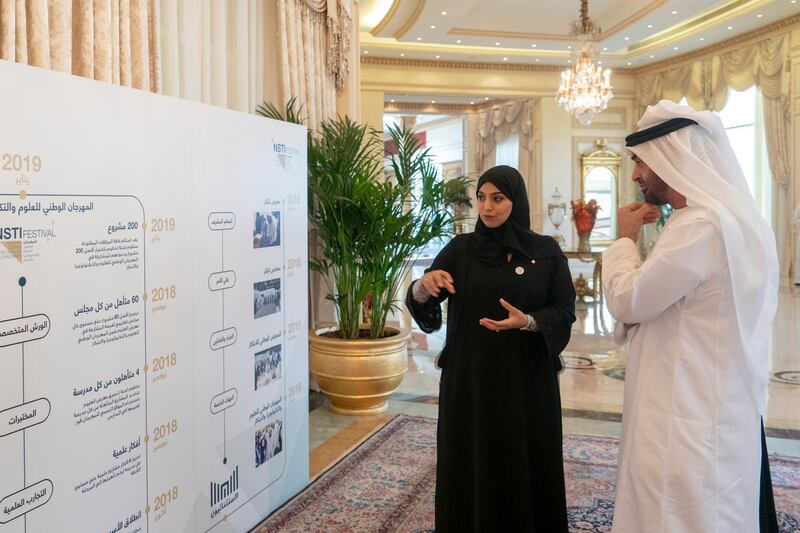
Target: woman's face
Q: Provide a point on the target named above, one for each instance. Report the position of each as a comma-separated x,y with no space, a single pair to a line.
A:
494,207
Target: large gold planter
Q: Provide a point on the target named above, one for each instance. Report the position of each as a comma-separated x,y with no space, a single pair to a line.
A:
358,376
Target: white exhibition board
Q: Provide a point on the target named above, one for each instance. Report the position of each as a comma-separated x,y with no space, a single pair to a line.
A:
153,319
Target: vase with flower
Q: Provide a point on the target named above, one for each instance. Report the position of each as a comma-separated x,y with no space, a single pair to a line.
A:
584,214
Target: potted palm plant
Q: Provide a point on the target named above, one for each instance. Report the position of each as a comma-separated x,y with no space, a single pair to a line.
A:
370,227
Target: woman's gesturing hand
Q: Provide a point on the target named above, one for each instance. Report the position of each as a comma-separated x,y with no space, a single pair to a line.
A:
436,280
516,319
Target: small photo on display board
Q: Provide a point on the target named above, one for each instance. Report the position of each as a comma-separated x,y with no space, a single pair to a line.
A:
266,298
267,366
269,441
267,229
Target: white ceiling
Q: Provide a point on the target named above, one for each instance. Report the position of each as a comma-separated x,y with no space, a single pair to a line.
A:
635,32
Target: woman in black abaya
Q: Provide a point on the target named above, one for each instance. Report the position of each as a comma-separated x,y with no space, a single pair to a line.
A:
511,306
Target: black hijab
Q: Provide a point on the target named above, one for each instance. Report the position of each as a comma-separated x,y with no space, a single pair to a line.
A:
514,235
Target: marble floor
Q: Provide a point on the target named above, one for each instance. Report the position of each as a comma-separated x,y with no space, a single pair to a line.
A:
591,387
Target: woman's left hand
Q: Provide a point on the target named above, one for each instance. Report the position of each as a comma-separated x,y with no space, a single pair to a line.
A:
516,319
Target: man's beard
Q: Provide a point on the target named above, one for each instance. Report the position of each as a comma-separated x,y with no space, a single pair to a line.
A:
656,193
657,198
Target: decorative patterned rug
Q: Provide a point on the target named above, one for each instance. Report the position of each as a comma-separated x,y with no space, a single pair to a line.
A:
387,485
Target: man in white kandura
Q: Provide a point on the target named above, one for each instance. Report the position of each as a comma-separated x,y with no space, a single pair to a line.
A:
697,315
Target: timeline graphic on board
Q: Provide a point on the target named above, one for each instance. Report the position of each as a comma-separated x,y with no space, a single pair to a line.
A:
153,339
225,337
52,230
27,413
115,326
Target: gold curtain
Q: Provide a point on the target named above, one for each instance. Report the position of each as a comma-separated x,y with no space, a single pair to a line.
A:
314,38
108,40
497,123
705,85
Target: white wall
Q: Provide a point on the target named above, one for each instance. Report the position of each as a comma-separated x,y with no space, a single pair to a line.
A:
446,140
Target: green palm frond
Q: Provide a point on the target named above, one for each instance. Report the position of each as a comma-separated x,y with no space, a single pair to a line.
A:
290,114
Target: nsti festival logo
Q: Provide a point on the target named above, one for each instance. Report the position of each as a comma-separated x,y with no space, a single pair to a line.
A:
13,237
285,154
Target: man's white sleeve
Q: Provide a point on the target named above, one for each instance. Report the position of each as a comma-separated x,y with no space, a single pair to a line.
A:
686,254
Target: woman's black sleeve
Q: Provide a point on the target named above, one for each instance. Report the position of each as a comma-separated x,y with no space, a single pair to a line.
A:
556,318
428,315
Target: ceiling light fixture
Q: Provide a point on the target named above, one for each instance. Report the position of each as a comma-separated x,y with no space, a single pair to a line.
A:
419,38
627,38
437,57
505,59
585,89
533,45
433,27
759,15
485,97
674,12
497,44
649,26
444,12
458,41
730,27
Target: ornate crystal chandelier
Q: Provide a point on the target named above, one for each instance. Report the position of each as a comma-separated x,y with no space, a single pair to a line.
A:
585,89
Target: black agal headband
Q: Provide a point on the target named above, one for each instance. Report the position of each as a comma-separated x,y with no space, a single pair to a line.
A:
659,130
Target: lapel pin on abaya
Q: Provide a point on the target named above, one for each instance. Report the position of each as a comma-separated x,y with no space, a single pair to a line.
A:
519,270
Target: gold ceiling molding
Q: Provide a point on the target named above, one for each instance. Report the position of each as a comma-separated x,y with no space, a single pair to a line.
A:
469,32
392,46
401,107
386,18
469,65
472,32
411,20
695,24
775,27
